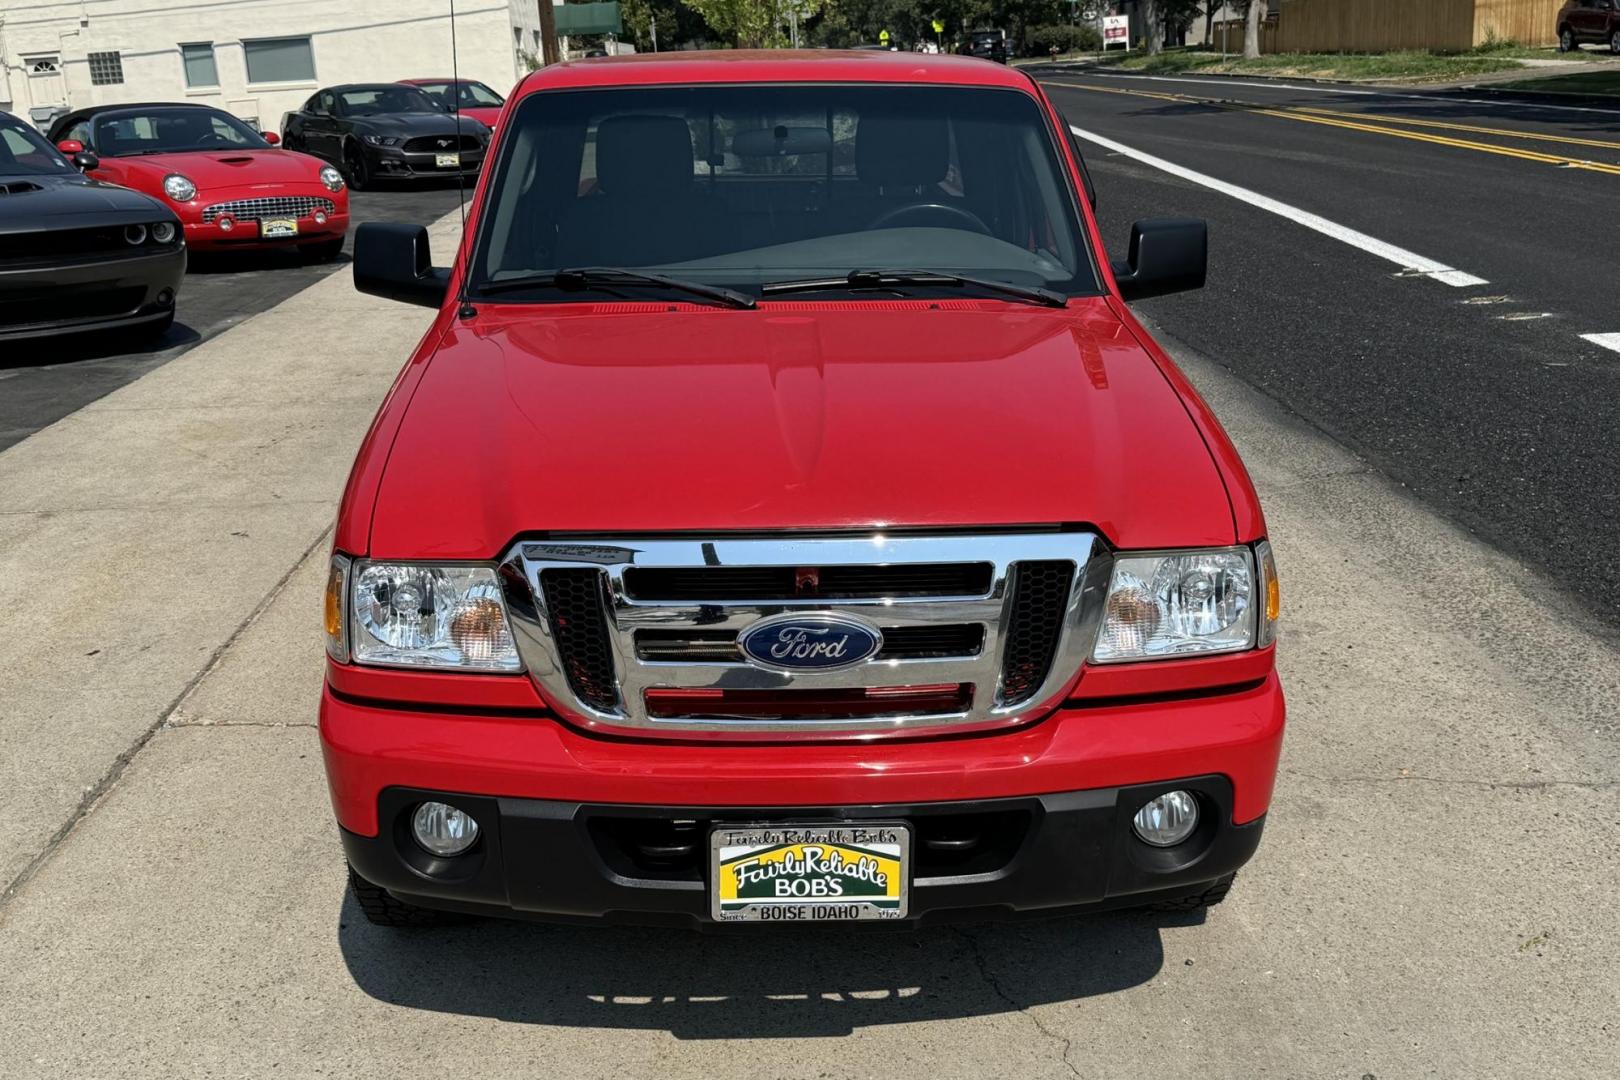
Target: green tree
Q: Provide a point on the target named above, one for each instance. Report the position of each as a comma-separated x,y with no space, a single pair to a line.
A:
753,24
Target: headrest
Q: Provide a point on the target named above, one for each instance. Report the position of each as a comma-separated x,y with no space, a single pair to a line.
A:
643,154
901,150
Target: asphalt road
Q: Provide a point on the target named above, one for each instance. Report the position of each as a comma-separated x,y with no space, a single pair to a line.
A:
1484,398
45,381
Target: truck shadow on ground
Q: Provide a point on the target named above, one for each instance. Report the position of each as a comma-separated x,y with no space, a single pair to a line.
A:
793,984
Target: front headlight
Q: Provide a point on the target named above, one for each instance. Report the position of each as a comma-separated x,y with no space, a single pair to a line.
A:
382,140
179,188
331,178
1181,603
420,616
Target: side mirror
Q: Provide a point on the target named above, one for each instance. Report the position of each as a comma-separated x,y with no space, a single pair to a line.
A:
69,147
392,260
272,138
84,161
1168,255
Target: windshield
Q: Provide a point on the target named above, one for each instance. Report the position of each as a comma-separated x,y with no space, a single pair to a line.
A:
170,131
24,152
469,95
741,186
374,100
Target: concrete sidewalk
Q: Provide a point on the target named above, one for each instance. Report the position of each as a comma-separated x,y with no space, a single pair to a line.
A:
139,535
1435,894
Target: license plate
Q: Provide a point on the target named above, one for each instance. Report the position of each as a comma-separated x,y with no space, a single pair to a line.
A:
276,228
809,873
447,161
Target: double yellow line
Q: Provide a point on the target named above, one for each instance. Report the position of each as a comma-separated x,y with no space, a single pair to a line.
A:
1359,122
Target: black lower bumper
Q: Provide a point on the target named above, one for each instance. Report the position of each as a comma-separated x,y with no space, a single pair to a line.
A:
44,298
562,861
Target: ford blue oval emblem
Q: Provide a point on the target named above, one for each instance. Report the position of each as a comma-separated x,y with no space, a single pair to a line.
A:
813,642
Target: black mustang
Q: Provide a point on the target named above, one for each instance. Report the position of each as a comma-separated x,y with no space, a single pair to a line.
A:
373,131
77,254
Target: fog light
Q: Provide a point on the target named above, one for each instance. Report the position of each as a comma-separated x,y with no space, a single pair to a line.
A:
443,830
226,223
1167,820
320,217
165,297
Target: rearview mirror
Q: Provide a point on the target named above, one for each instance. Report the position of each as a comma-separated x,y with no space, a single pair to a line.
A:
84,161
393,260
1167,255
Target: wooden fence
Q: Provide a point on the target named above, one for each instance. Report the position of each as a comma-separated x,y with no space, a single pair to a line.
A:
1380,25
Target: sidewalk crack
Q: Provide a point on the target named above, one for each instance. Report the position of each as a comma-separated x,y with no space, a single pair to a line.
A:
121,763
1064,1044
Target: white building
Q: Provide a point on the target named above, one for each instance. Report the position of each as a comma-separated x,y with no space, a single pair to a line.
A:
255,58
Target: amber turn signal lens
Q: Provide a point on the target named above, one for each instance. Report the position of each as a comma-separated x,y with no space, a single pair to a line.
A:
1273,593
337,641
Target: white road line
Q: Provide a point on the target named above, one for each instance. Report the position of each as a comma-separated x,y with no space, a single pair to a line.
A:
1411,262
1608,341
1431,98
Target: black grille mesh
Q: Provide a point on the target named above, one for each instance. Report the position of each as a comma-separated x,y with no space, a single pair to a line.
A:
824,582
575,604
1040,595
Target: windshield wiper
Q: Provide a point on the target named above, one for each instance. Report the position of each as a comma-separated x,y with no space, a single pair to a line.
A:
574,279
889,279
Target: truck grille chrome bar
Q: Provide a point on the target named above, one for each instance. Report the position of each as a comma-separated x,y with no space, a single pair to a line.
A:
978,631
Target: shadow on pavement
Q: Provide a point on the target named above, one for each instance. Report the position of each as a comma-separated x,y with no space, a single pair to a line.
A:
792,984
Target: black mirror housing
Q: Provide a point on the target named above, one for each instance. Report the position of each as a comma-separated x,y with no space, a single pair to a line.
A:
84,161
1168,255
393,260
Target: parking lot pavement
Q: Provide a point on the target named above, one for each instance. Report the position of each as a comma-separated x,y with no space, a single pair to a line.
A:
1435,894
41,382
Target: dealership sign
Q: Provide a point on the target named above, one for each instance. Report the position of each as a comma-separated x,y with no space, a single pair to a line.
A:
1116,30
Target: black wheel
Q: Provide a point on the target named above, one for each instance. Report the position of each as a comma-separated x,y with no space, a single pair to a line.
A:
381,908
325,251
1614,43
1566,40
355,169
1208,897
155,330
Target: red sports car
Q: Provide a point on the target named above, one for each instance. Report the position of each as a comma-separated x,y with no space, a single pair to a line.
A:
232,187
469,98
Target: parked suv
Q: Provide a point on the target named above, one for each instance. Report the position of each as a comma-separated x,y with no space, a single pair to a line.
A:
1589,21
986,44
784,519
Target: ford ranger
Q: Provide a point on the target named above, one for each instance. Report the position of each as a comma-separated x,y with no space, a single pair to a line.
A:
784,519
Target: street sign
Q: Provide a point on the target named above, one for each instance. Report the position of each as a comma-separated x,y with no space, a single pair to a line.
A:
939,26
1116,31
883,38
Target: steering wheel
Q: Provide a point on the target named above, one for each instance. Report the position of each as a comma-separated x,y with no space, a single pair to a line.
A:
954,217
209,138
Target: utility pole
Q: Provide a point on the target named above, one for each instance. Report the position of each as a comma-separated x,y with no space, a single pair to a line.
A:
548,35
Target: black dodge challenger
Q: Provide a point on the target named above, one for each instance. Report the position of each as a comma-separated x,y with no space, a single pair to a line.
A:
374,131
77,254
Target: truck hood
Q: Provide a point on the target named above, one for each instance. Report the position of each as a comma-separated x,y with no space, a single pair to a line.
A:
629,418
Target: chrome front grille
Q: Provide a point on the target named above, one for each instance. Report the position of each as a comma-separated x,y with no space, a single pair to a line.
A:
982,630
258,209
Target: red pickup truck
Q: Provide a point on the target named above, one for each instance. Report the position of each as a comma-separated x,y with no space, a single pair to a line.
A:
785,519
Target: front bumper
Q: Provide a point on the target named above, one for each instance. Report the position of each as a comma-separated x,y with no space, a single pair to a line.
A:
1079,775
388,161
244,234
45,298
564,861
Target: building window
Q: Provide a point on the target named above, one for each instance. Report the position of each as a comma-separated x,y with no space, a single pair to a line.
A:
106,68
198,58
42,65
275,60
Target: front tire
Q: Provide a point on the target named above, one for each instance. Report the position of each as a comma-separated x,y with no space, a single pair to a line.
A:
1208,897
1614,43
325,251
382,908
355,169
1566,40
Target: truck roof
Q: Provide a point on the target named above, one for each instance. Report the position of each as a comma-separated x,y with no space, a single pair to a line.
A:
775,65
